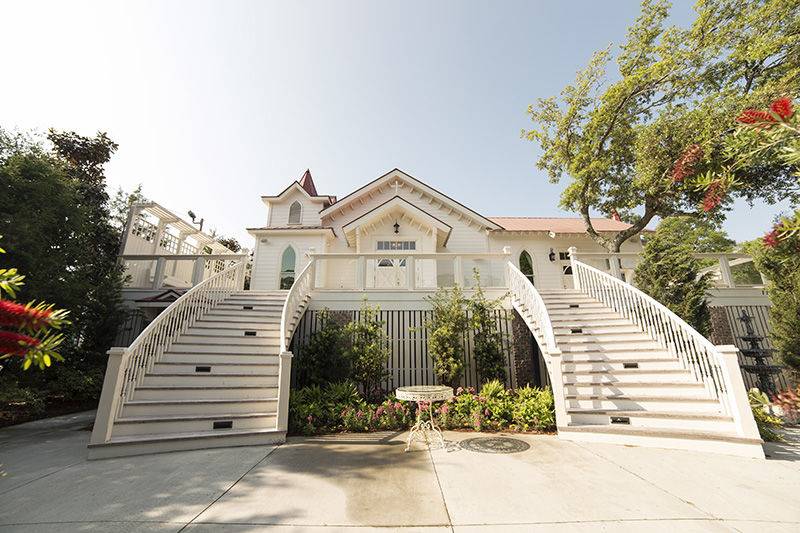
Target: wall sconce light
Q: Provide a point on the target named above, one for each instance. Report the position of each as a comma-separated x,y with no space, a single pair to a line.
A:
396,227
552,255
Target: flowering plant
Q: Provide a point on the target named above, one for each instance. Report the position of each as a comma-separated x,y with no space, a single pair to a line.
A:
28,331
762,137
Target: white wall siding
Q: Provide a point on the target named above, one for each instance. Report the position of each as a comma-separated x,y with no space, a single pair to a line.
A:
279,210
269,251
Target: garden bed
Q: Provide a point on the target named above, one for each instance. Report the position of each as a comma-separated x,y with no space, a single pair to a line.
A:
339,407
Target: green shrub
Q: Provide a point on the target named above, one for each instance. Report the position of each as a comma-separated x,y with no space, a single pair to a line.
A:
767,424
446,328
367,350
322,360
487,342
534,409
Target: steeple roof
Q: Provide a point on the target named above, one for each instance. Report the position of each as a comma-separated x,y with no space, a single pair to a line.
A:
307,183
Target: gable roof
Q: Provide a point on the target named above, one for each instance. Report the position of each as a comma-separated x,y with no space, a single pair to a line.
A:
558,224
406,208
397,174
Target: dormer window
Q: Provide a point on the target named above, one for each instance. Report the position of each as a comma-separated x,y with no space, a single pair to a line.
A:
295,213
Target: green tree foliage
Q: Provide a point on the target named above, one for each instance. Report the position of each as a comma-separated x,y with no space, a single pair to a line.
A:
54,214
120,204
780,263
704,236
322,360
668,272
367,350
617,138
487,341
446,327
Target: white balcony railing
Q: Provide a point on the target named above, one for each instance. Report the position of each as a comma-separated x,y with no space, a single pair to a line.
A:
726,270
394,270
153,271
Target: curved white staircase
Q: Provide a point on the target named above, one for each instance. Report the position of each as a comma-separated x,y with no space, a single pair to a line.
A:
623,371
208,372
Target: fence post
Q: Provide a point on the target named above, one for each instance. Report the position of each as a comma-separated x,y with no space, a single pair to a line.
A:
109,397
573,263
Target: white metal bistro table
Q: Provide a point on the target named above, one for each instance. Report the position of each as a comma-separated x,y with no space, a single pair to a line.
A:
424,394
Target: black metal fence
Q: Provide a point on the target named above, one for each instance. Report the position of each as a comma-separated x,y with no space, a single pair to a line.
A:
760,323
409,361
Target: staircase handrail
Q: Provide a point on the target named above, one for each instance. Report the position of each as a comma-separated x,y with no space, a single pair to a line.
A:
693,350
157,338
524,291
295,302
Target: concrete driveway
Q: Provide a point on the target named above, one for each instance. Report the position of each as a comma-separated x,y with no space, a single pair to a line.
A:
366,482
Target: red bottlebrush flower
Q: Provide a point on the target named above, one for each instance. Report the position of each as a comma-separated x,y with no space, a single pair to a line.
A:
713,197
16,343
782,107
685,164
771,239
13,314
755,116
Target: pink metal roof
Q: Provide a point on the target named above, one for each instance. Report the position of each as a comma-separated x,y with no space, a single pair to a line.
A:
307,182
557,225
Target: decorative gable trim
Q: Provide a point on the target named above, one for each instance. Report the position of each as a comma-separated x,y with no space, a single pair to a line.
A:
398,179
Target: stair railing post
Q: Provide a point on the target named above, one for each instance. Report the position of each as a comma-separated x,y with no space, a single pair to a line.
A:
573,263
312,270
284,383
739,403
110,397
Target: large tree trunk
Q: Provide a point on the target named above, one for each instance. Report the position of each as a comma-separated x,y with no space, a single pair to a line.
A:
613,244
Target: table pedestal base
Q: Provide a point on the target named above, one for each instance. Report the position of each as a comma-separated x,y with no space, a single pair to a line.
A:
423,430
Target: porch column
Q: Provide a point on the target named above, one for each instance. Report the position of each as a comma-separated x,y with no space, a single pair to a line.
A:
411,273
361,273
573,259
458,274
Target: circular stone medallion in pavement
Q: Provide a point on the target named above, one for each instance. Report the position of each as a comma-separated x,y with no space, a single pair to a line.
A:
495,445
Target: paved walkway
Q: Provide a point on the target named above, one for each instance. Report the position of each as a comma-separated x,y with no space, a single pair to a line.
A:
362,483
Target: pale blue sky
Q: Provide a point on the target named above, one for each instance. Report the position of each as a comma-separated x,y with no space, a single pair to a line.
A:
216,103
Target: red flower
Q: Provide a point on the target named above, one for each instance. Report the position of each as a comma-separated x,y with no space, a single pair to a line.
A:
16,343
772,239
782,107
17,315
755,116
684,166
713,197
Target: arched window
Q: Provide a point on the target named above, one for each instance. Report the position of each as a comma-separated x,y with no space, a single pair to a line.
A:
526,265
287,268
295,213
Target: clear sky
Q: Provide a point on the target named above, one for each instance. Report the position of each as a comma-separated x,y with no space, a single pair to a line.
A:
216,103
